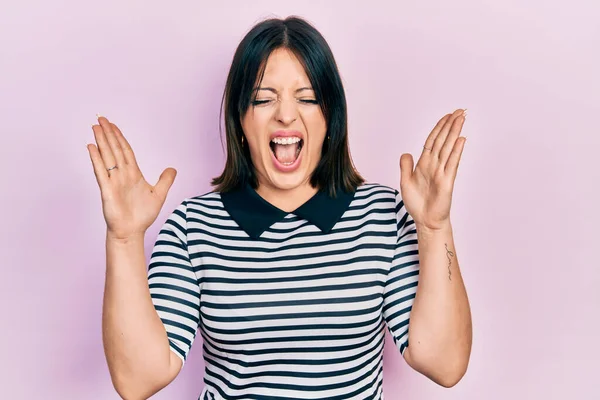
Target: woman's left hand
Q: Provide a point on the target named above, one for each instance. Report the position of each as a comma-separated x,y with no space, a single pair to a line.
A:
427,191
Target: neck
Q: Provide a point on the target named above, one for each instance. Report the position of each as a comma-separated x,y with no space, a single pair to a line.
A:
287,200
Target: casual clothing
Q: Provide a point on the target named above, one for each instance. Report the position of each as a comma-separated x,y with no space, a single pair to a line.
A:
290,305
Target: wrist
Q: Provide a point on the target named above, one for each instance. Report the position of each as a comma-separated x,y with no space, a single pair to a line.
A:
443,227
112,237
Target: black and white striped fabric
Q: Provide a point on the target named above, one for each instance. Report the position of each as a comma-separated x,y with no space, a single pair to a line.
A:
295,311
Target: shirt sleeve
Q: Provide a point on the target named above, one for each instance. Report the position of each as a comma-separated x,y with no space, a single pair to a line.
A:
174,287
401,284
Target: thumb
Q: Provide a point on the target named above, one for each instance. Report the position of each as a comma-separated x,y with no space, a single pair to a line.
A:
406,168
165,181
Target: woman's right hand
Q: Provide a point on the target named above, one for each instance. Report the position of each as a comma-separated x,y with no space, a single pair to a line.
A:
129,203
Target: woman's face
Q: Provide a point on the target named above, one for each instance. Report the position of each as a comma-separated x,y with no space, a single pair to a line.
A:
285,127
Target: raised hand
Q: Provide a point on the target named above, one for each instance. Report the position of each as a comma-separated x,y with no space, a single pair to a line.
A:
427,191
129,203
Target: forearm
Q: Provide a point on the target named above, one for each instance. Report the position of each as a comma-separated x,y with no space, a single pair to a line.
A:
135,341
440,322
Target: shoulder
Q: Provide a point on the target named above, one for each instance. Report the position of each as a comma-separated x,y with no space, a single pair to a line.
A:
371,191
208,209
199,203
375,196
209,199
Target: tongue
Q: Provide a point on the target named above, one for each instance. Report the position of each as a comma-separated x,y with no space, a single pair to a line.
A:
286,153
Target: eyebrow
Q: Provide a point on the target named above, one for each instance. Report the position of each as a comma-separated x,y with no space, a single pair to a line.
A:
270,89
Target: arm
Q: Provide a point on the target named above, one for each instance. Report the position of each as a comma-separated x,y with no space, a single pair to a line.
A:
135,340
137,330
440,321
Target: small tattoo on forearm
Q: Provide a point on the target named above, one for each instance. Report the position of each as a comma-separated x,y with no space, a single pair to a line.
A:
449,254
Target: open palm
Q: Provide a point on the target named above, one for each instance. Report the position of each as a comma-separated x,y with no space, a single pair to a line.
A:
129,203
427,190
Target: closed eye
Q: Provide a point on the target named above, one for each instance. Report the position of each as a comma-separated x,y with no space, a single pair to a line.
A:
306,101
259,102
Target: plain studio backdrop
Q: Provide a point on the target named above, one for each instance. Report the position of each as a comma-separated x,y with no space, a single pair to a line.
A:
525,206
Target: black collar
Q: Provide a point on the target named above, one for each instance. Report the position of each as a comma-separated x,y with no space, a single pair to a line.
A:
255,215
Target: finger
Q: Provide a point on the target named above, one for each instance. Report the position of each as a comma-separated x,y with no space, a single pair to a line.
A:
454,159
436,130
98,164
165,181
451,139
406,168
113,143
441,137
125,146
103,147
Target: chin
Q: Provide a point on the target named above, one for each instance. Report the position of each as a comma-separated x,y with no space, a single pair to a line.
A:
287,181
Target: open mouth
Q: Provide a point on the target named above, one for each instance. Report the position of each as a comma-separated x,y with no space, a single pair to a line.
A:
286,149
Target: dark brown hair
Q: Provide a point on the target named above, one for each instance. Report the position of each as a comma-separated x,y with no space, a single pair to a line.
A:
335,170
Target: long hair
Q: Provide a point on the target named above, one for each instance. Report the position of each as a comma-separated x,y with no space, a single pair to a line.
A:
335,170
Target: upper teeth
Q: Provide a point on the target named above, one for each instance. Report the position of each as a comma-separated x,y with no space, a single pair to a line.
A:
286,140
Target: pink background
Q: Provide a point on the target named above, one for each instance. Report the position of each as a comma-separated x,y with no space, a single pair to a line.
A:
525,223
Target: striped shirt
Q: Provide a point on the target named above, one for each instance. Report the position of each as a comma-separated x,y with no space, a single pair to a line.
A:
289,305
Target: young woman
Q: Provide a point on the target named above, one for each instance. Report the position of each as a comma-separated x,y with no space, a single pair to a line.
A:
293,266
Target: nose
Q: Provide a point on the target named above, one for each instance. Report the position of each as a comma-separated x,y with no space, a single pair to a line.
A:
287,111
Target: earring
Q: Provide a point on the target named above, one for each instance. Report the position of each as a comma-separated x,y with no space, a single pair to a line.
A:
327,137
242,140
